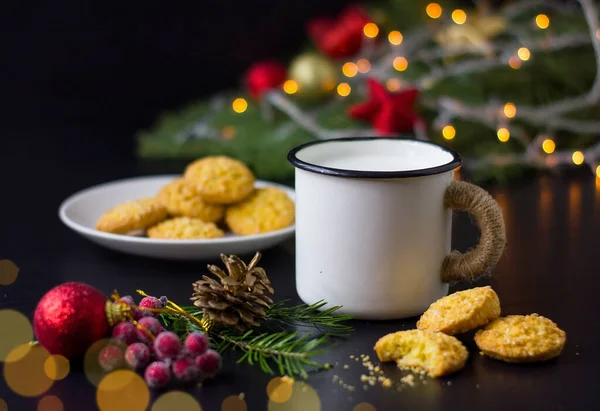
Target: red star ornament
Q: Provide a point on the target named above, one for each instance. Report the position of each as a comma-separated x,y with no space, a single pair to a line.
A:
388,112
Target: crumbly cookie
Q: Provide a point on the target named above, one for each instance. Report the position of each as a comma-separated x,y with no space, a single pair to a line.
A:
435,353
131,216
267,209
462,311
181,201
185,228
220,180
521,338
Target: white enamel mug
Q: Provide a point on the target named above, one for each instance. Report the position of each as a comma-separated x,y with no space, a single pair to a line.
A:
373,225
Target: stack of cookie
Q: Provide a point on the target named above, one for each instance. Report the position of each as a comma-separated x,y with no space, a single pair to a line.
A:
214,194
433,349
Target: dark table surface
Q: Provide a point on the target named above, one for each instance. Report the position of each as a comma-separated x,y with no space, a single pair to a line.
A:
550,267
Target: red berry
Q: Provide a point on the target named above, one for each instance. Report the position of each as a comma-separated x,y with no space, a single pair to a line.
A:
209,362
196,343
150,302
137,356
150,324
157,375
167,345
110,358
185,370
125,332
127,299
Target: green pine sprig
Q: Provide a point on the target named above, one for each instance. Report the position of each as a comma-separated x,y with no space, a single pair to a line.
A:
326,321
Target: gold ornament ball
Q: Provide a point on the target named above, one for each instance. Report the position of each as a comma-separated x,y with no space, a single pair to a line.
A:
315,75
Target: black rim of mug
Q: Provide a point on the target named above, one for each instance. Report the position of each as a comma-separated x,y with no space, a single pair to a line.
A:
303,165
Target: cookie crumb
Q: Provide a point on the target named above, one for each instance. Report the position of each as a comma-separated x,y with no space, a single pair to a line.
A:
408,379
477,386
365,387
352,357
449,383
242,396
346,366
387,383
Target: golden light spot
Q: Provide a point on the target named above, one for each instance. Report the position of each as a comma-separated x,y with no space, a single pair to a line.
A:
514,62
344,89
239,105
228,132
20,328
433,10
363,65
176,400
578,158
57,367
548,146
542,21
304,397
24,370
8,272
3,405
395,37
393,84
510,110
448,132
234,403
349,69
459,16
364,406
503,134
598,171
91,368
279,389
290,86
400,63
123,390
524,53
50,403
371,30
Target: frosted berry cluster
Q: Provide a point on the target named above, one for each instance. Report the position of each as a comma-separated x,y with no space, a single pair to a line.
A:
158,354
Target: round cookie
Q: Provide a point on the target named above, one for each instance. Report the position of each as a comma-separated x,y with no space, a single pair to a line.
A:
220,180
435,353
521,338
132,216
267,209
180,200
184,228
462,311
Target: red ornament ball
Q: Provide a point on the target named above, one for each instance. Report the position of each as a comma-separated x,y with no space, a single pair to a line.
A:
70,318
264,76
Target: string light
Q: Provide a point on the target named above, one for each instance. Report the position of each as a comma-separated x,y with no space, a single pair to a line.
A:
448,132
510,110
371,30
363,65
433,10
459,16
344,89
239,105
400,63
524,53
290,86
393,84
395,37
349,69
548,146
542,21
578,158
514,62
503,134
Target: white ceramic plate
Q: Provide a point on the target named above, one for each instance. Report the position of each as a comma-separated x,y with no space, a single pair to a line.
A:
81,211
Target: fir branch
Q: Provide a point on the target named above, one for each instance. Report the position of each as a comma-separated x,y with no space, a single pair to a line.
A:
310,315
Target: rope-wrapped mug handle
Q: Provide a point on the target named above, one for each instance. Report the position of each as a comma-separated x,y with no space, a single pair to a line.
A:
479,261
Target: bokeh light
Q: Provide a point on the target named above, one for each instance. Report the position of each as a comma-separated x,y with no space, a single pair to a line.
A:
598,171
349,69
393,84
234,403
578,158
21,331
503,134
510,110
303,398
364,406
24,370
239,105
3,405
279,389
176,400
433,10
123,390
548,146
395,37
459,16
371,30
344,89
290,86
8,272
448,132
542,21
363,65
514,62
400,63
50,403
91,367
57,367
524,53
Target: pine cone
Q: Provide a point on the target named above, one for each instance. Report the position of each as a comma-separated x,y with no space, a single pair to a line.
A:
240,299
